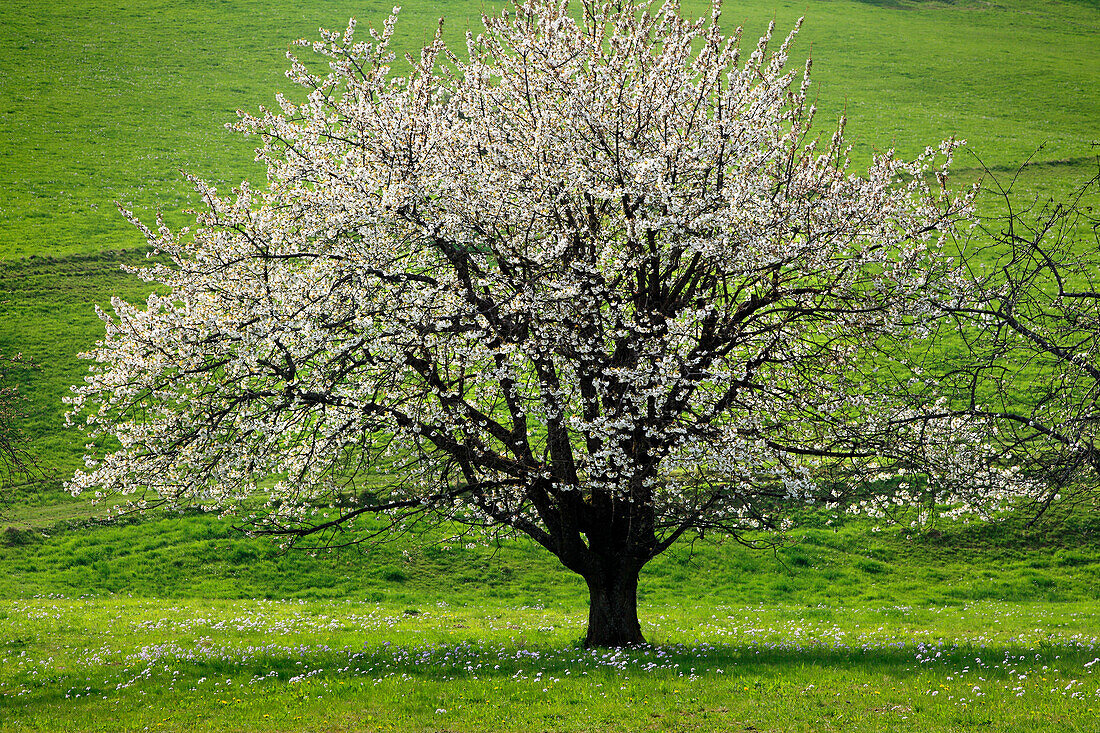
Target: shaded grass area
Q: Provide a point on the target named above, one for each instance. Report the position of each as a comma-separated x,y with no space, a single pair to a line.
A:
123,664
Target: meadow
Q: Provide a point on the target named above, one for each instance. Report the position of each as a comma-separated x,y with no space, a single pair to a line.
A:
176,622
104,103
131,664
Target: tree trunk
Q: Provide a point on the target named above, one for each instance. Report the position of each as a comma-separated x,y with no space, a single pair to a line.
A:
613,608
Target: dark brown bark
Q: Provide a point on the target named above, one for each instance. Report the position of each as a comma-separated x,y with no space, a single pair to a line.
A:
613,608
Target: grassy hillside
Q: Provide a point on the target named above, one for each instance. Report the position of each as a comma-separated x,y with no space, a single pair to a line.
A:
55,549
103,102
170,621
174,624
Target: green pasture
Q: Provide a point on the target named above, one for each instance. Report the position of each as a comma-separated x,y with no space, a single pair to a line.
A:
105,102
176,622
126,664
55,548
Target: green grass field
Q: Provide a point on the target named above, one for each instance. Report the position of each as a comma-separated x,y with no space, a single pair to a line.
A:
119,664
107,102
176,622
104,101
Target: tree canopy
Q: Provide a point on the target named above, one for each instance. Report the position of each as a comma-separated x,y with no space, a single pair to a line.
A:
593,280
1030,331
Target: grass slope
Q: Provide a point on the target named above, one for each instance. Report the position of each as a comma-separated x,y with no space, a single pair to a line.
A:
856,630
103,102
46,551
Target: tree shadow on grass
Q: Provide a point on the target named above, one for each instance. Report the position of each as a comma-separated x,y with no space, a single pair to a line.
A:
196,671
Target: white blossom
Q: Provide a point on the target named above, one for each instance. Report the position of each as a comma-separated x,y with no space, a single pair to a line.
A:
593,279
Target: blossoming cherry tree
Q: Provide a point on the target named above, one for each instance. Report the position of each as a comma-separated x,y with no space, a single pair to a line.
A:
592,281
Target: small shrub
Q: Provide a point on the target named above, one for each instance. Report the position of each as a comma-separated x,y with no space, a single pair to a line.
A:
15,537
